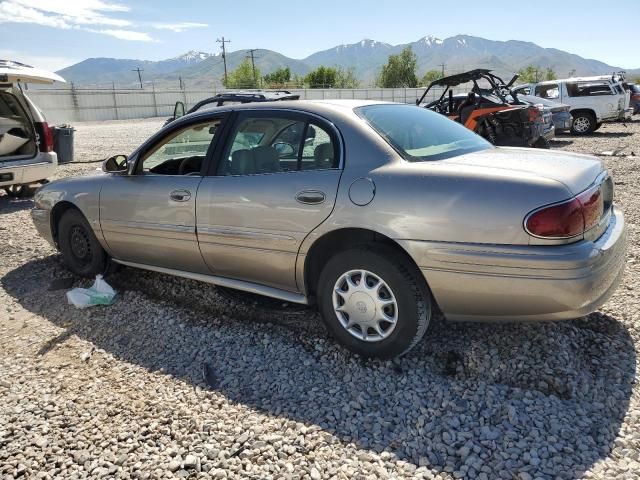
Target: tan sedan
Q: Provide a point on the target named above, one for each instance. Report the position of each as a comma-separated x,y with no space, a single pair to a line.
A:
378,213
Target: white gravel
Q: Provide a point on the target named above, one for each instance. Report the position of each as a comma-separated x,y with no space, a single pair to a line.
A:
177,379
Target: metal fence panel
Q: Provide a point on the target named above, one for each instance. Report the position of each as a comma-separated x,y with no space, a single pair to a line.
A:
74,105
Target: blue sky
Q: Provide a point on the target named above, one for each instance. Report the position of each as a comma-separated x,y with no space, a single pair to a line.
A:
53,33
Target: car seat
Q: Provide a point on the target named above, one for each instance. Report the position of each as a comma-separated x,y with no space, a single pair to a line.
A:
323,156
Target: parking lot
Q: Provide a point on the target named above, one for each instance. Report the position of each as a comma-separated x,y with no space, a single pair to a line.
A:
178,379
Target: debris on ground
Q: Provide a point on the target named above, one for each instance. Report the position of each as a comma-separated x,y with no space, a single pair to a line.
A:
100,293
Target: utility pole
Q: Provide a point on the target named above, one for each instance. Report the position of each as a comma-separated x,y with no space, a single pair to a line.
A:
180,80
442,65
224,57
253,64
139,75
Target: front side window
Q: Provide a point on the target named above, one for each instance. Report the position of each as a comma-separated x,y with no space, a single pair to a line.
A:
550,91
182,152
264,144
419,134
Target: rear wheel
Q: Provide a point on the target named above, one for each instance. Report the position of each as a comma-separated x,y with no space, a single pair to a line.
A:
80,248
583,123
373,302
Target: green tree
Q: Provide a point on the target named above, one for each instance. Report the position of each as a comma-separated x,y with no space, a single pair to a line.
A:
430,76
321,77
346,78
550,74
532,74
400,71
243,76
279,78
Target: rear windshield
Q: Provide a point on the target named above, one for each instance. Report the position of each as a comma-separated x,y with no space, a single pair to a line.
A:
419,134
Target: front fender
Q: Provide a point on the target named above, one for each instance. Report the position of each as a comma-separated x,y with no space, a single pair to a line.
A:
82,193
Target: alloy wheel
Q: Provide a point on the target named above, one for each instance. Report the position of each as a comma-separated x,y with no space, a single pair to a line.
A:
581,124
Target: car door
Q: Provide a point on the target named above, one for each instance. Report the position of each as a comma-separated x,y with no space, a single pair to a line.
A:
276,179
149,215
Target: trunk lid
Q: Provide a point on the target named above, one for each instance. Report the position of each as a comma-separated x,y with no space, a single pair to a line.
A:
575,171
13,72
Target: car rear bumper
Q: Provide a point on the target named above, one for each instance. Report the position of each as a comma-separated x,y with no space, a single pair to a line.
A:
563,122
22,172
474,282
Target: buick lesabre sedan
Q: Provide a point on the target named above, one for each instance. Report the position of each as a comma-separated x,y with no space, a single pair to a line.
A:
378,213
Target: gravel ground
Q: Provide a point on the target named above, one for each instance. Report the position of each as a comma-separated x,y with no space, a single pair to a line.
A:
179,379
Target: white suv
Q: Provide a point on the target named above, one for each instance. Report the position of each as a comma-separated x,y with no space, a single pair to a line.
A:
26,140
593,100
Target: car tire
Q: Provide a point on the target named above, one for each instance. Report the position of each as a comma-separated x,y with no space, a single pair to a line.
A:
81,251
19,191
391,281
584,123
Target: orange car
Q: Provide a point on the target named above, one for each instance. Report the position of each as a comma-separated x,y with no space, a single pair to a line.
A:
487,111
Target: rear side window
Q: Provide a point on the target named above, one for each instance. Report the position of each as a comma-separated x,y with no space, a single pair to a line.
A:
418,134
276,144
588,89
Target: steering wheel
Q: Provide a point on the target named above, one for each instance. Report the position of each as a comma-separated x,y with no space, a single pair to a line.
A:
185,162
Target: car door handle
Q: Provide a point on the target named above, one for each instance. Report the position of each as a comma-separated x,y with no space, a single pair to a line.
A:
180,195
310,197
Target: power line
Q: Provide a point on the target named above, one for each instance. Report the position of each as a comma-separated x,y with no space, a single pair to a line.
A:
224,57
139,75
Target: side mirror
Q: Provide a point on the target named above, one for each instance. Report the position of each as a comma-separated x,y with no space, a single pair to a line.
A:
178,110
115,164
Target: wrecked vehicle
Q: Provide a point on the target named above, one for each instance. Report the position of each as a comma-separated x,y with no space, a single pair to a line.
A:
26,140
560,113
489,113
592,100
341,219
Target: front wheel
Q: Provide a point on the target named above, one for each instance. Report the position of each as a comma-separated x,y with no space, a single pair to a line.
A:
80,248
373,302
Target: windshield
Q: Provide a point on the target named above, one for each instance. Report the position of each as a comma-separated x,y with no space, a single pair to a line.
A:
419,134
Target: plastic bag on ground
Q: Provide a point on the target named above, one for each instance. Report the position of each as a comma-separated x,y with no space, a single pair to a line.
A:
100,293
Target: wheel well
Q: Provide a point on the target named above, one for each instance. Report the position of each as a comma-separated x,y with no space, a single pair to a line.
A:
56,214
338,240
583,110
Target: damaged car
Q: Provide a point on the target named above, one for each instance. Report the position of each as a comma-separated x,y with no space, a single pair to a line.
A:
487,111
26,140
384,215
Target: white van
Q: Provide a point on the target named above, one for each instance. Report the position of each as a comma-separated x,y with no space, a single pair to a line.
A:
593,100
26,140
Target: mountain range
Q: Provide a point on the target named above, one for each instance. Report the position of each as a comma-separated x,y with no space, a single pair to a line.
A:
366,58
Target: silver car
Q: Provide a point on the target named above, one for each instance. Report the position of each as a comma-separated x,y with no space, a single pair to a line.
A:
378,213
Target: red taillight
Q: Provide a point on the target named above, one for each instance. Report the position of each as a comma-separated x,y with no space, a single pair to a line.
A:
569,218
46,136
534,114
635,96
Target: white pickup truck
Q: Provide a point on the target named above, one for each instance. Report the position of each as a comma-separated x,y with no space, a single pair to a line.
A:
26,140
593,100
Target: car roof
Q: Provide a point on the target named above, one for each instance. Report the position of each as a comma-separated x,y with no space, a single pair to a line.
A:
454,80
318,107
